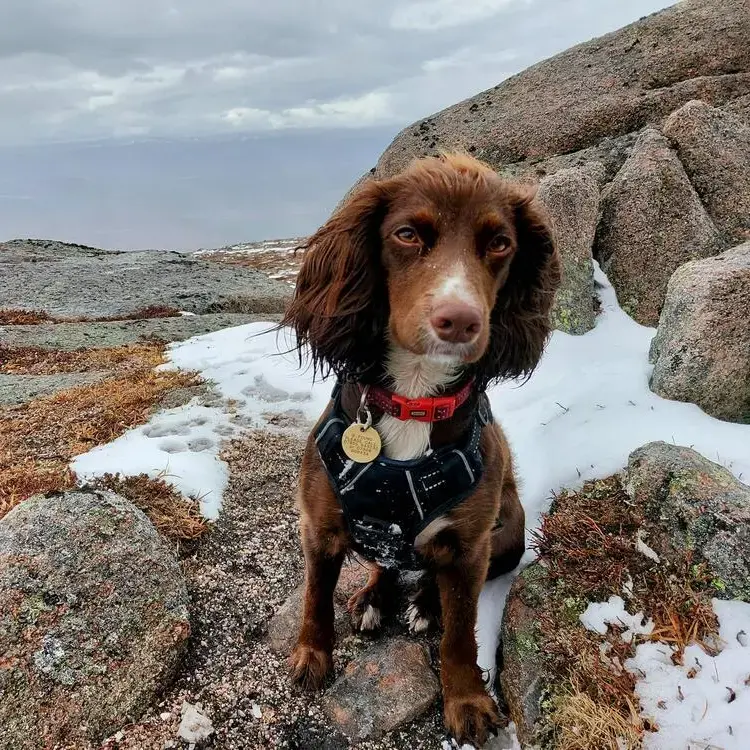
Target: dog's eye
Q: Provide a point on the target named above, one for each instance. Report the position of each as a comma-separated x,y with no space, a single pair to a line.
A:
407,235
499,245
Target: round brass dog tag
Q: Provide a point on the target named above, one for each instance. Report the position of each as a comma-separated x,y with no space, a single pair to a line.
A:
361,443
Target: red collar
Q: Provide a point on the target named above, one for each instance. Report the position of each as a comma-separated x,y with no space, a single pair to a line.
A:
430,409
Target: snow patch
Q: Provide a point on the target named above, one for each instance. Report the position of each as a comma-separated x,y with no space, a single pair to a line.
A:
179,445
705,701
600,615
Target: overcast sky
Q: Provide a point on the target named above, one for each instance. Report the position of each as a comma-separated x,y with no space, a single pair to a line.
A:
77,70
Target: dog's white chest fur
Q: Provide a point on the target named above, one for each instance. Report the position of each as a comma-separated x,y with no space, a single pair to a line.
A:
414,376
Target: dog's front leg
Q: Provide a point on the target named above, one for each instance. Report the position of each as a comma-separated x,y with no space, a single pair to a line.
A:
469,712
312,658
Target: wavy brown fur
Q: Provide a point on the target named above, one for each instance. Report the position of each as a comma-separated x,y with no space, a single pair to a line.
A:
340,308
520,319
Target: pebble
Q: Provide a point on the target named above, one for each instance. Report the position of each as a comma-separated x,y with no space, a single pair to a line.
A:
195,727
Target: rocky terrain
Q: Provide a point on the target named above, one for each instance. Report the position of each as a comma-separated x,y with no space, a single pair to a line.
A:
128,621
277,258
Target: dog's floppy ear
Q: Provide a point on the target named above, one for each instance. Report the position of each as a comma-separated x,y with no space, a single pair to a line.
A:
520,320
340,306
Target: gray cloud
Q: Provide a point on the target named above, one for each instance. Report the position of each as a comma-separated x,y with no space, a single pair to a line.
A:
87,69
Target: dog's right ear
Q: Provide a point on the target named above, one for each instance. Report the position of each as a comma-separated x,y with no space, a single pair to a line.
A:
340,306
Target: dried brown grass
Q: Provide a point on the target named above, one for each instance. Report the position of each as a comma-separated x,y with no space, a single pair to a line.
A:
587,725
589,538
10,317
28,360
283,266
39,439
23,317
173,515
597,557
588,545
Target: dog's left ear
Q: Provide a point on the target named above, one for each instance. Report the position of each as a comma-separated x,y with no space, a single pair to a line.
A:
520,319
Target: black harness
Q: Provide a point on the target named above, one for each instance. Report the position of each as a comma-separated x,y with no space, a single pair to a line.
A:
387,503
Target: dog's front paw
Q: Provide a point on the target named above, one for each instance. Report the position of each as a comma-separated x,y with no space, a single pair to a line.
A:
424,610
419,621
310,666
471,718
364,612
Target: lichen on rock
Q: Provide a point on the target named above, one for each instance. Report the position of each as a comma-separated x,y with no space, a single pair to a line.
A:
701,351
93,618
571,198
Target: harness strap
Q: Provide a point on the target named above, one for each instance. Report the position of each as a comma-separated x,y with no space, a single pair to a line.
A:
387,503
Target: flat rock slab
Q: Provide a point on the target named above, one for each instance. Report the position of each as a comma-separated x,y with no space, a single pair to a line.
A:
18,389
389,685
67,281
93,619
69,336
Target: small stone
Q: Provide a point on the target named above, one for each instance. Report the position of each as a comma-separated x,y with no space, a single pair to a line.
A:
387,686
165,716
195,727
352,578
283,627
255,709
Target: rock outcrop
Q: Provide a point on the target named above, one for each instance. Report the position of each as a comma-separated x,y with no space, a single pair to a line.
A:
93,619
610,86
67,281
701,351
571,198
652,222
601,107
714,148
701,506
663,539
523,678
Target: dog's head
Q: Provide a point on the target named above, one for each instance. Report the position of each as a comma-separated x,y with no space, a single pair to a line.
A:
446,260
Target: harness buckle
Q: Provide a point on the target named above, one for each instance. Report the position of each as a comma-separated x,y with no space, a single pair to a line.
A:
425,409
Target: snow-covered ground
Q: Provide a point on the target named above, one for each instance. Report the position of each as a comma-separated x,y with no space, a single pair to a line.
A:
702,703
583,411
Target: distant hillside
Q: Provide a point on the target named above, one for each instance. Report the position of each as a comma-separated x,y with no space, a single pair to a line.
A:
276,258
